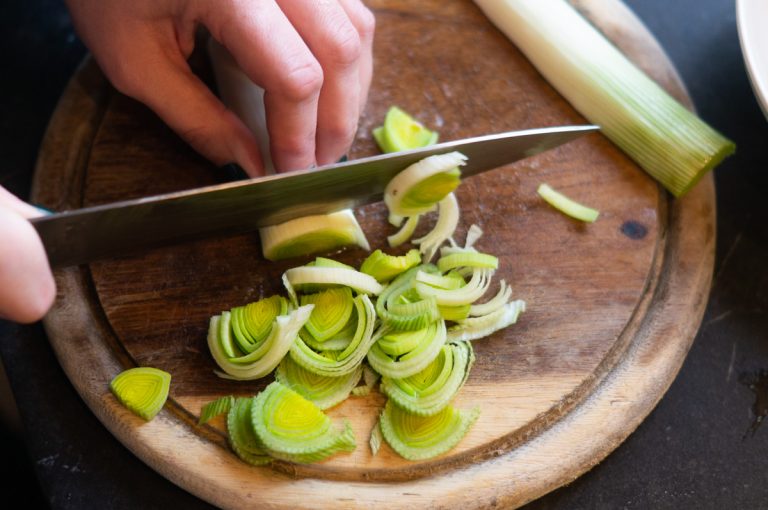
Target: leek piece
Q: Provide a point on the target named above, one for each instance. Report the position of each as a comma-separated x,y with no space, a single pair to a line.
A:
332,276
293,428
432,340
567,206
375,441
431,190
325,262
331,313
242,437
312,234
402,192
496,302
348,360
424,437
465,258
142,390
454,313
370,377
338,342
401,132
479,327
409,315
468,294
324,391
663,137
263,360
213,409
447,221
405,232
252,323
429,391
384,267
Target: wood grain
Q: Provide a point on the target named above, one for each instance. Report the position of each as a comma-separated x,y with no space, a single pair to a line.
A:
613,306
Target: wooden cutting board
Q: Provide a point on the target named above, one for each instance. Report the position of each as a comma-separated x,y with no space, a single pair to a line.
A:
612,307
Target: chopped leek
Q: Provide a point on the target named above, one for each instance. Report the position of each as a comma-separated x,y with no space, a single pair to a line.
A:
324,391
430,390
402,314
370,378
496,302
312,234
566,205
384,267
423,437
467,259
405,232
401,132
420,354
375,441
468,294
142,390
401,193
242,437
292,428
668,141
331,313
264,359
251,324
332,276
447,221
479,327
213,409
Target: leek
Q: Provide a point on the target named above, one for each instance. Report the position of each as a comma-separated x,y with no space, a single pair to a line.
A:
401,132
423,437
213,409
663,137
412,191
331,313
447,221
324,391
430,340
330,277
312,234
384,267
405,232
142,390
479,327
566,205
242,437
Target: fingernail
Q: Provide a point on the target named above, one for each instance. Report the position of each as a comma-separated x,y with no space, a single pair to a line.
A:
43,210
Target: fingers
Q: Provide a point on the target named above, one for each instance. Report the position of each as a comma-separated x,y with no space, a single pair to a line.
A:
23,209
335,43
27,288
365,23
161,78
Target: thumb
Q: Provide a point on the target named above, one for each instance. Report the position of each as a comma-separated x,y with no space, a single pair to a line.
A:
23,209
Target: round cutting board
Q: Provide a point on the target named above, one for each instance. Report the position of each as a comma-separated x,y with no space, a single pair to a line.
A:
612,306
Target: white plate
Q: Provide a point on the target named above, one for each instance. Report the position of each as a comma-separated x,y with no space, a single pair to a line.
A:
752,20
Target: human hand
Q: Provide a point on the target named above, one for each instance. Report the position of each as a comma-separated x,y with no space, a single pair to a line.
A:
312,57
27,289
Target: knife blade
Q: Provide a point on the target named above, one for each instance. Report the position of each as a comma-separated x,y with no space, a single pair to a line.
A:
84,235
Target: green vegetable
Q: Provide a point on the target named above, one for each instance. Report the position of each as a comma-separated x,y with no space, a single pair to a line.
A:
142,390
423,437
370,378
329,277
251,325
331,313
662,136
242,437
479,327
402,132
490,306
447,221
404,233
312,234
292,428
415,350
213,409
468,294
413,192
399,313
566,205
467,259
433,388
324,391
384,267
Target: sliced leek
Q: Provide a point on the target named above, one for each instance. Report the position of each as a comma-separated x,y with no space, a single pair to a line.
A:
447,221
405,233
320,233
292,428
479,327
324,391
263,360
424,437
430,390
251,324
370,377
217,407
662,136
332,276
331,313
384,267
567,206
408,193
493,304
468,294
400,313
142,390
401,132
242,437
430,340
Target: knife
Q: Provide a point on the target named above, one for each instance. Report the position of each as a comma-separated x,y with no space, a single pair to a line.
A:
83,235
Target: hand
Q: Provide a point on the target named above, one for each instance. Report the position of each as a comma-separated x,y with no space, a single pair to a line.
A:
312,57
27,289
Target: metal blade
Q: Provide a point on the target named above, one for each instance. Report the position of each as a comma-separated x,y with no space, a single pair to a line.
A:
83,235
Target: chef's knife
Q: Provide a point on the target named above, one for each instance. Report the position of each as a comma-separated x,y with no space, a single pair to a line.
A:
83,235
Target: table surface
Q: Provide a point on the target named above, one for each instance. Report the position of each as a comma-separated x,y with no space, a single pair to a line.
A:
699,447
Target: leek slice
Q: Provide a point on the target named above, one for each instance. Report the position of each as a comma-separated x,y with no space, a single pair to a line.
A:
423,437
432,339
242,437
370,378
312,234
332,276
384,267
375,441
405,232
401,132
213,409
465,258
293,428
348,360
142,390
252,323
468,294
663,137
324,391
496,302
404,195
401,314
567,206
479,327
454,313
429,391
331,313
338,342
263,360
447,221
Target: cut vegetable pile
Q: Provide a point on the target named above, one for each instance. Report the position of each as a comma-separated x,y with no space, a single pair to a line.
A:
401,321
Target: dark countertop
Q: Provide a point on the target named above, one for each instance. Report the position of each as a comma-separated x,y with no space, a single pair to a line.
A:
694,450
